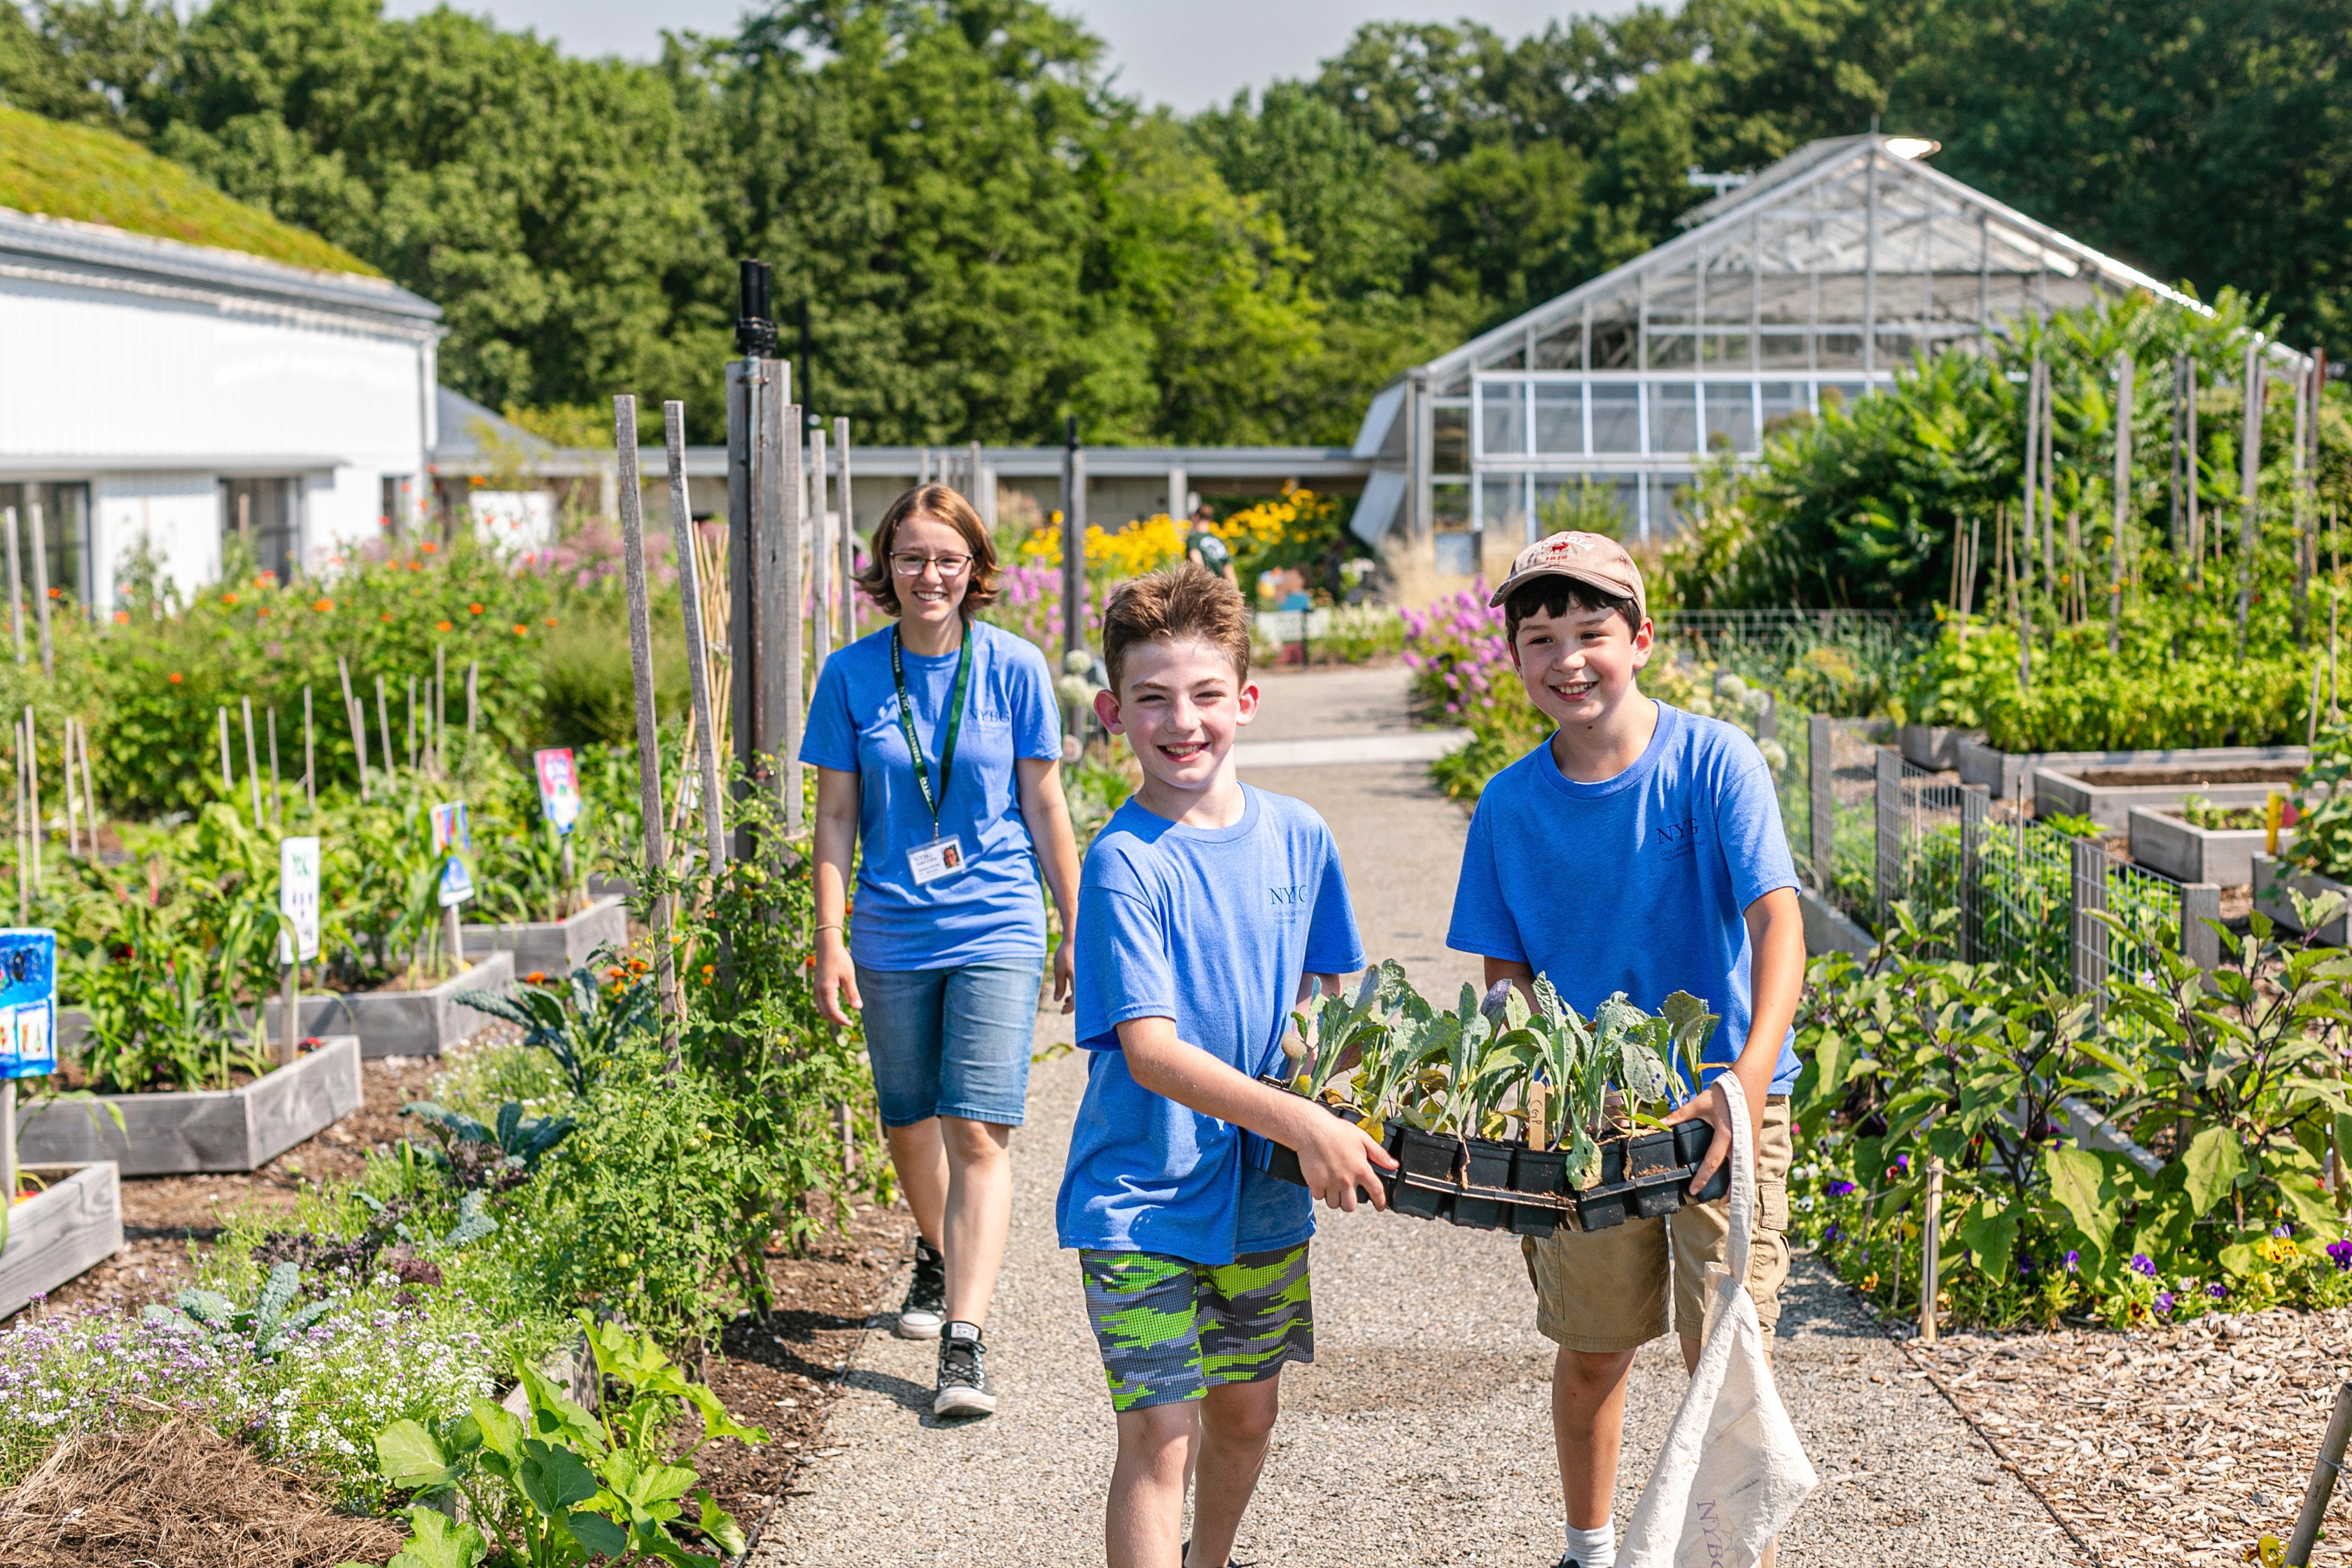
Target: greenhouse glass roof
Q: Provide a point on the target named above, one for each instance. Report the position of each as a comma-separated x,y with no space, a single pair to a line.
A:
1813,281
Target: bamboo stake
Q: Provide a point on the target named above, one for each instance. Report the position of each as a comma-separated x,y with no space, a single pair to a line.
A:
384,724
412,724
681,521
2192,470
252,766
2314,1512
2311,726
33,792
310,754
41,588
24,834
73,792
641,670
473,698
440,707
820,558
2304,418
2123,499
1929,1224
2049,479
358,723
849,535
2019,593
16,583
277,792
228,780
2250,462
88,789
2032,459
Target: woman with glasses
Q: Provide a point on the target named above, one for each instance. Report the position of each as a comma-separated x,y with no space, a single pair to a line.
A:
938,749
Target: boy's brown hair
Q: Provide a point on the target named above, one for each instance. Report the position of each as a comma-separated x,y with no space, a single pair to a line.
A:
940,503
1185,600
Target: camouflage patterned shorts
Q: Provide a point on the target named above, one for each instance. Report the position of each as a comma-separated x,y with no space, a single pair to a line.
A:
1170,1330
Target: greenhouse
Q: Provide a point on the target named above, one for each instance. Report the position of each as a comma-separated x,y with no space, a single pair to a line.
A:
1810,282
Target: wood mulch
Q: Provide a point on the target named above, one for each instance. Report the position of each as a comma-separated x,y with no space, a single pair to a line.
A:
2172,1446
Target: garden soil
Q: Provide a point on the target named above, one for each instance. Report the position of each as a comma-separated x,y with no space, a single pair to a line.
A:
1421,1434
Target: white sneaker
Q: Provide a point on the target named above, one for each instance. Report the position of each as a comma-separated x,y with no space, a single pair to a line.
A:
963,1374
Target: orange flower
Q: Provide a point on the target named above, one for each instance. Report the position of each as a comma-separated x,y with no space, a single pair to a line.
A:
174,678
263,610
708,970
430,547
637,966
121,617
441,625
324,606
522,630
551,620
56,592
229,598
536,977
387,616
473,609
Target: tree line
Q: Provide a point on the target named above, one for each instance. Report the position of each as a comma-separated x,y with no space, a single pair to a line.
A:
989,234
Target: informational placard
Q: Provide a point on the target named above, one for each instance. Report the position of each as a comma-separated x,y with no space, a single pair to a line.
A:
559,787
29,1003
298,894
452,837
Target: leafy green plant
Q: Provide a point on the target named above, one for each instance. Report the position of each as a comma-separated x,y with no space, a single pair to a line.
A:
498,1154
580,1021
2323,825
561,1485
263,1329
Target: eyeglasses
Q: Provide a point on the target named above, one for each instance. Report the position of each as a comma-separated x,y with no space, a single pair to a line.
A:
910,564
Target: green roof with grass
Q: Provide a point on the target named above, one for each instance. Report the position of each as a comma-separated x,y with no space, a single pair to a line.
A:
82,171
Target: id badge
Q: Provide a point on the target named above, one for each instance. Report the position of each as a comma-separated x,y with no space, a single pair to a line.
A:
936,861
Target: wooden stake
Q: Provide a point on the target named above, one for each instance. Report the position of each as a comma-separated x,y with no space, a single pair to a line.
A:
2324,1474
412,724
310,754
2311,724
2123,499
228,779
33,792
1929,1239
473,697
820,558
277,797
384,725
2250,464
2192,471
73,790
252,764
689,586
848,535
41,589
641,670
440,707
358,721
16,583
88,789
290,1012
24,830
8,1144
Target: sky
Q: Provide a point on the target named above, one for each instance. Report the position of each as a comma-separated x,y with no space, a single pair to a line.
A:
1187,54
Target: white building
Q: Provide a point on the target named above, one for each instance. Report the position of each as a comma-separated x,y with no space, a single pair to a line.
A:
186,396
1814,279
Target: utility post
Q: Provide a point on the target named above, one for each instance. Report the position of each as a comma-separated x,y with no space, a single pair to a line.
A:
763,635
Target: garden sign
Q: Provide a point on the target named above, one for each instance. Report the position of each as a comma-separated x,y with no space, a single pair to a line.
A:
559,787
29,1003
452,838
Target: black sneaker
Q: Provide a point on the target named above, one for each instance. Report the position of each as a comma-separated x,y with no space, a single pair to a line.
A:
963,1374
1184,1557
926,1298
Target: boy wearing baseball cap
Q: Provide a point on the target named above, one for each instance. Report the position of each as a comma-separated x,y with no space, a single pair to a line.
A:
1640,849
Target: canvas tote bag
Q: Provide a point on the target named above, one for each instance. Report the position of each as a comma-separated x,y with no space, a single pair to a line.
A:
1731,1474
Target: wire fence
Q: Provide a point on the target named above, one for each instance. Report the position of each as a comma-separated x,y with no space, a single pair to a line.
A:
2012,890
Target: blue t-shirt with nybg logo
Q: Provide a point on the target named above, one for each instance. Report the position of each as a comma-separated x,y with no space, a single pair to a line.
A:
1213,928
1639,883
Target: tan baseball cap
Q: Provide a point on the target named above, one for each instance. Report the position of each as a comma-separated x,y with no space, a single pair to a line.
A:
1592,558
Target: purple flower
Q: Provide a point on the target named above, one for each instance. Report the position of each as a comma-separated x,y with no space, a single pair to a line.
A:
2025,1265
2219,1291
2340,1253
1903,1162
2072,1259
1840,1189
1829,1232
2282,1231
2164,1301
2141,1264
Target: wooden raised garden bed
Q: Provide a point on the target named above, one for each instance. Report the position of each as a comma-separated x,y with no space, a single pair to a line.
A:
405,1023
2106,793
240,1128
60,1232
1936,747
2187,853
2003,773
2272,878
555,947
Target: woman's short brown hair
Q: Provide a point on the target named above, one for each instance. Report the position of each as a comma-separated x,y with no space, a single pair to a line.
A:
940,503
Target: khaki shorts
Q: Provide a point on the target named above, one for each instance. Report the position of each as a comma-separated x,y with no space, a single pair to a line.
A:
1609,1290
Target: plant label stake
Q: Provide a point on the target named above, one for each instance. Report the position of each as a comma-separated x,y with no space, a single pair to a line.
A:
641,670
16,585
690,584
41,589
252,764
454,840
298,903
558,801
28,1020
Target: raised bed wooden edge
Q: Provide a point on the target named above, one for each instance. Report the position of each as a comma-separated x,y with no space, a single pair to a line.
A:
2271,879
555,947
2003,773
60,1232
2187,853
205,1129
405,1023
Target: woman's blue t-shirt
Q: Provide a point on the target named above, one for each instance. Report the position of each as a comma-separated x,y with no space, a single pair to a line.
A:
1639,883
1211,927
991,910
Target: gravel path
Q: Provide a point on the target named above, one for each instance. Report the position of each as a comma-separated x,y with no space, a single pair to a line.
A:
1421,1434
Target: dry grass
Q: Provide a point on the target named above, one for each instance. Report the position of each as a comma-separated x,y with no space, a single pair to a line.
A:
176,1494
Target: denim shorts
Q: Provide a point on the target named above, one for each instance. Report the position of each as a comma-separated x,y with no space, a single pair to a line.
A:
951,1042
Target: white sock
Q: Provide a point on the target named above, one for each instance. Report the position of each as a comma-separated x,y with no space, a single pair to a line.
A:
1594,1548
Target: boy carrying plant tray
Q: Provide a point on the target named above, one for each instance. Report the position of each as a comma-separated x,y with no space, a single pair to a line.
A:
1209,910
1640,850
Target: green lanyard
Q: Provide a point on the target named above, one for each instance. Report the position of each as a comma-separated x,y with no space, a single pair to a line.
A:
955,723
